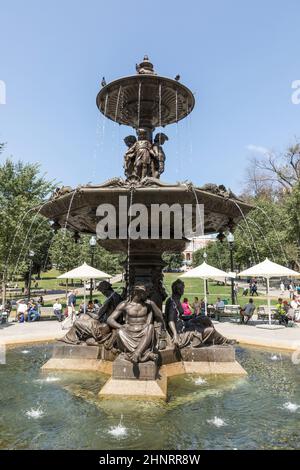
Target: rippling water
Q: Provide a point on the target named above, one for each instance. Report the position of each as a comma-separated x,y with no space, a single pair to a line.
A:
60,410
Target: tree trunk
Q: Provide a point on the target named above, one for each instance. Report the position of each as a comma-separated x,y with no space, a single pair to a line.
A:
3,289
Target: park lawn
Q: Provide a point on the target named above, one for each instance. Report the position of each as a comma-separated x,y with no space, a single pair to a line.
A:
193,287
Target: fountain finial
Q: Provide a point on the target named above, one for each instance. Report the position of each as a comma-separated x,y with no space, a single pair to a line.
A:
145,67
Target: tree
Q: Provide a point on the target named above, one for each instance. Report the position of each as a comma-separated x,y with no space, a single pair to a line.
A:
217,255
274,172
172,260
64,251
22,191
66,254
292,208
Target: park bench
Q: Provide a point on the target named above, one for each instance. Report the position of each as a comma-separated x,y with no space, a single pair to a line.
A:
229,311
263,314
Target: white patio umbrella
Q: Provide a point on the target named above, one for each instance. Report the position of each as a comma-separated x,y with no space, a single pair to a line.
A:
268,269
85,272
205,271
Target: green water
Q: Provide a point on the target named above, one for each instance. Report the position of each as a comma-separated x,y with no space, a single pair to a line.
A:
60,410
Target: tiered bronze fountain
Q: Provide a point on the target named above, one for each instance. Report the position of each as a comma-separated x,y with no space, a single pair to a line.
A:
131,338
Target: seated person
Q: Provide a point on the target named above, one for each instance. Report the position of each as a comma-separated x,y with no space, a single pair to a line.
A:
33,313
196,306
97,305
21,310
247,311
187,312
220,303
219,307
282,313
57,310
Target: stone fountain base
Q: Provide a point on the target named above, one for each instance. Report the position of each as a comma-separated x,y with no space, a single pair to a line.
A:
145,379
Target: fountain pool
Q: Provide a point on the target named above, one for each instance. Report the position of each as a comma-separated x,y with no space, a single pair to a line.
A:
61,410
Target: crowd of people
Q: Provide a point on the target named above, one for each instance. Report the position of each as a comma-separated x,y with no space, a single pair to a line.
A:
195,309
285,310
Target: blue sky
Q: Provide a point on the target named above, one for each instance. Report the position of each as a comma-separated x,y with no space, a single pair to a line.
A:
238,57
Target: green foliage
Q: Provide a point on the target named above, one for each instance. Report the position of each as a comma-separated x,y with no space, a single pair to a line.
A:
217,255
173,260
65,254
22,191
271,230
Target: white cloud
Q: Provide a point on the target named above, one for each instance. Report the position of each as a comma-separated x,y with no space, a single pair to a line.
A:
258,149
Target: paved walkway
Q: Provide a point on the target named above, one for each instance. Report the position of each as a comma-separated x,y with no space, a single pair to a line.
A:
286,338
25,333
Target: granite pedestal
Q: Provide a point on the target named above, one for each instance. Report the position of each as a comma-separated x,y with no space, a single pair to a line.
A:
148,379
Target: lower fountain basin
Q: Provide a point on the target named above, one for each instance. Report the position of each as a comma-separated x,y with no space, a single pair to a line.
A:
47,410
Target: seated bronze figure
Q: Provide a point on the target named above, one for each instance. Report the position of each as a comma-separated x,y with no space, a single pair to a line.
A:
137,338
196,332
92,327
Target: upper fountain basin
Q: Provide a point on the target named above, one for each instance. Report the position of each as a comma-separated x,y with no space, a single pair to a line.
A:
145,101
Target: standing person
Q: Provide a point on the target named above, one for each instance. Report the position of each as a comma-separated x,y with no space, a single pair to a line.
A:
72,304
186,308
282,288
236,290
196,306
291,290
254,289
202,303
57,310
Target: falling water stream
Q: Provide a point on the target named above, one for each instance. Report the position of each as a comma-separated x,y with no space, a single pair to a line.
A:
159,105
274,228
26,237
250,233
139,104
66,222
22,217
129,240
178,159
117,103
263,235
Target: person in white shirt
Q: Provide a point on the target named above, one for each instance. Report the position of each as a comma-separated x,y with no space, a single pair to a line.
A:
282,288
21,311
57,310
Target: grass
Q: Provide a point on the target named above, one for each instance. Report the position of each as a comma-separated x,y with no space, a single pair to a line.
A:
193,288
